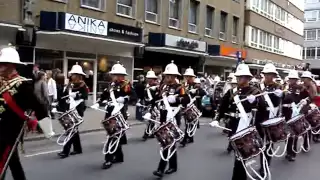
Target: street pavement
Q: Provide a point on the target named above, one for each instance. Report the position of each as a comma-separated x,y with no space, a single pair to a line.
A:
205,159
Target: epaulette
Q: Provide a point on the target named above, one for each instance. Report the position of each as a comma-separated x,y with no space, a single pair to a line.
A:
6,85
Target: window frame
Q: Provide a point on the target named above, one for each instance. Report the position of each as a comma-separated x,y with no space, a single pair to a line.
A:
310,31
235,31
211,29
158,17
102,8
225,24
133,9
178,20
195,25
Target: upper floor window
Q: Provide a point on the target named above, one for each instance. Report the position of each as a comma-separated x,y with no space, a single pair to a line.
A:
125,7
152,10
235,27
310,52
95,4
311,15
174,12
193,12
223,25
310,34
311,1
210,21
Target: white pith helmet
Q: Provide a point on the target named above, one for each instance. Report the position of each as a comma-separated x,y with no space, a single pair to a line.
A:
10,55
217,79
151,75
171,69
293,74
118,69
231,75
77,69
307,74
189,72
269,68
197,80
234,80
243,70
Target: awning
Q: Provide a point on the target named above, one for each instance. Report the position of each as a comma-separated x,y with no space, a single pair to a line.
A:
175,51
6,25
8,33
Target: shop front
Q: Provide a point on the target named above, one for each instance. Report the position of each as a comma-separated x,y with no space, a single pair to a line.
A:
223,59
163,48
8,33
67,39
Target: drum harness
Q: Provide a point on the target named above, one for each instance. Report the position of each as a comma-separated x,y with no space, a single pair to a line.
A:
116,137
192,126
244,123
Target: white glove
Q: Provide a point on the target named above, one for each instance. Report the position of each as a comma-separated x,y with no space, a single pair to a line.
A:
251,98
153,88
171,99
193,91
73,94
147,116
120,100
303,102
214,123
54,110
278,92
95,106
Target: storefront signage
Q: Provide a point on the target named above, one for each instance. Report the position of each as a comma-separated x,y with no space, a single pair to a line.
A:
185,43
85,25
124,32
228,51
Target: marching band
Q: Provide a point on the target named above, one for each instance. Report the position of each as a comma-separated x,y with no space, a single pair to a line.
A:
260,115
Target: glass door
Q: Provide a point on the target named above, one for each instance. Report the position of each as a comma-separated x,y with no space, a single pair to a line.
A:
87,66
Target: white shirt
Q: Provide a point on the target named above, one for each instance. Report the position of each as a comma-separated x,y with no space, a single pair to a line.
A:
52,88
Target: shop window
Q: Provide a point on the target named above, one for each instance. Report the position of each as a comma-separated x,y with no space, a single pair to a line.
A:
87,67
94,4
174,12
49,59
105,64
126,7
223,25
193,14
152,11
210,21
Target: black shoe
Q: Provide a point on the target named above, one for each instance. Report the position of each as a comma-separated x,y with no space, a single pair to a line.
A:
62,155
229,149
191,140
158,173
144,138
117,161
290,158
183,144
152,136
106,165
75,153
170,171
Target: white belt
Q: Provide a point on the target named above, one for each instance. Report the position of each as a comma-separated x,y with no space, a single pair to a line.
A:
286,105
235,115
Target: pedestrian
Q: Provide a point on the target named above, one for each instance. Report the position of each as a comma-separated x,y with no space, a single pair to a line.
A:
52,90
121,90
18,97
76,89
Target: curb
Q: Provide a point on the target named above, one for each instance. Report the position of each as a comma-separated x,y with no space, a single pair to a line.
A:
40,137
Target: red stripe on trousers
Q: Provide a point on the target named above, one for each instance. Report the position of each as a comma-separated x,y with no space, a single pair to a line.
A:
4,157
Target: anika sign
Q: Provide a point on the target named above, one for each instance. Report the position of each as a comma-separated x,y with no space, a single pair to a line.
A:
86,25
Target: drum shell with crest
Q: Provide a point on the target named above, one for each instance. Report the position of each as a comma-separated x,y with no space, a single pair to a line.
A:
313,118
275,129
70,119
114,124
247,143
167,134
298,125
191,113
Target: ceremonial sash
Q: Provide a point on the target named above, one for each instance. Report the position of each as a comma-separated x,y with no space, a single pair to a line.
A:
272,110
245,118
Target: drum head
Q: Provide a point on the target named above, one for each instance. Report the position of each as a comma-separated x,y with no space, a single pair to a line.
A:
294,119
242,133
272,121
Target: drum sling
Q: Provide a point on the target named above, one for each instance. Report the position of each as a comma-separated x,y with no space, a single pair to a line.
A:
6,156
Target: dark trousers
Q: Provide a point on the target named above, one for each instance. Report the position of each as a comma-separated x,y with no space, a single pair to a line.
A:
239,172
292,145
117,155
186,137
149,126
267,156
14,162
75,141
173,164
305,137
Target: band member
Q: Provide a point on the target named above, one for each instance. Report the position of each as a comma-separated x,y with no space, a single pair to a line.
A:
193,90
17,96
151,94
176,95
272,100
76,89
121,88
291,95
243,90
308,96
227,85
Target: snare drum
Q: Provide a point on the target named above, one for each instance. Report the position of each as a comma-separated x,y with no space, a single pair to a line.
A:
298,125
115,124
247,143
168,134
275,129
70,119
313,117
191,113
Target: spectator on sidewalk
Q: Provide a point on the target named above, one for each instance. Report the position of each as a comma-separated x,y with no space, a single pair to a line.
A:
52,89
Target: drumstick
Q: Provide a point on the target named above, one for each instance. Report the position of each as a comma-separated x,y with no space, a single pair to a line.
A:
261,94
68,95
160,100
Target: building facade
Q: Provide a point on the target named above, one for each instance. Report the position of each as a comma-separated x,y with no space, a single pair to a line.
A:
274,33
141,34
311,52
